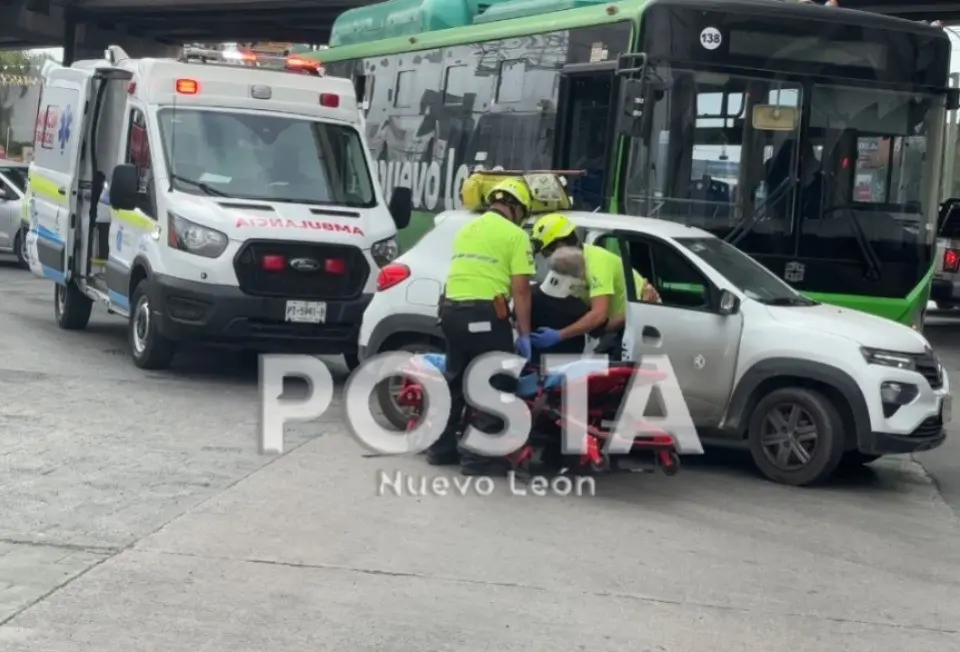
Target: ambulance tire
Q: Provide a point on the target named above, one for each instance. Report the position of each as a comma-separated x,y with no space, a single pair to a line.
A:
150,349
71,307
20,246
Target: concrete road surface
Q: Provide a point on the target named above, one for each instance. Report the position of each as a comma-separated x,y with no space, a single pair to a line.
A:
138,515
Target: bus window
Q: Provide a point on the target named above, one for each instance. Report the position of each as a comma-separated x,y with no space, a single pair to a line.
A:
510,81
404,97
708,165
456,84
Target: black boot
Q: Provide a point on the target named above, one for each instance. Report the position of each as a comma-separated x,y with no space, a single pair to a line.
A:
443,452
442,457
471,464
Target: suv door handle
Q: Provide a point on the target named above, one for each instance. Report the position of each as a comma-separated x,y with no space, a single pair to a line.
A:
62,191
649,332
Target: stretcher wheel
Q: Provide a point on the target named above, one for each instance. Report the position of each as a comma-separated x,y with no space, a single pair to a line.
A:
669,463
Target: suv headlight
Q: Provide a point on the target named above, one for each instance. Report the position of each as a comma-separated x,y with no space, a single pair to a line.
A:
889,358
384,251
192,238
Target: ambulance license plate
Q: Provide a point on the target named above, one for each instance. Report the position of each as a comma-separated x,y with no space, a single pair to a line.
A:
946,409
306,312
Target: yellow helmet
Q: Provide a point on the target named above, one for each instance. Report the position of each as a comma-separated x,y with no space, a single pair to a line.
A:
550,228
515,188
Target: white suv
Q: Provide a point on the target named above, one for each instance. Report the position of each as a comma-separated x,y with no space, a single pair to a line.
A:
805,386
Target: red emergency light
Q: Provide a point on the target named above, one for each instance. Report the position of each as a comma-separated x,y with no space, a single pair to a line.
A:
329,100
188,86
273,263
951,260
335,266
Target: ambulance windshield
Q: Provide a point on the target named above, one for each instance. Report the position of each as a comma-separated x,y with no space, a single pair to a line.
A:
266,157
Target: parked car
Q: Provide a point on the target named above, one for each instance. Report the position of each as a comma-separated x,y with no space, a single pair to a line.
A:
804,386
13,181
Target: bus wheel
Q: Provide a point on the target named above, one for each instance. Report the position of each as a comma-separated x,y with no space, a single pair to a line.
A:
150,349
71,307
796,436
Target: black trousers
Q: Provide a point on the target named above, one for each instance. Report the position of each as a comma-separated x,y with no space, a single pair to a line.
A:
471,329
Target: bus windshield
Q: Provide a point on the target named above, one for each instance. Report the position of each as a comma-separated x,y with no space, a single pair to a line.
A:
247,155
791,168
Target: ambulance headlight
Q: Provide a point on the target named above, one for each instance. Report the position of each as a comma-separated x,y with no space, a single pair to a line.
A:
384,251
192,238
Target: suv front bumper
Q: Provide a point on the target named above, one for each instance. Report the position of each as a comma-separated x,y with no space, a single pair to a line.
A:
918,426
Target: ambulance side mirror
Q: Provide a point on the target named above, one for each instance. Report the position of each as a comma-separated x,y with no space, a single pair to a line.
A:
124,187
401,207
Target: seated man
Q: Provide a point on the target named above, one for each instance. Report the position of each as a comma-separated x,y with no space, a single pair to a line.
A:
604,289
556,302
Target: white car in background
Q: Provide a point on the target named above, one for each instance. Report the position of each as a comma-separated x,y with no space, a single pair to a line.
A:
13,181
804,386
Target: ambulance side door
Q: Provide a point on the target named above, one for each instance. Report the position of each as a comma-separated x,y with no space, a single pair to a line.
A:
54,172
129,228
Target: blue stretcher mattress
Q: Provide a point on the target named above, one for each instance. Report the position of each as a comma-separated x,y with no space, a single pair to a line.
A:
529,384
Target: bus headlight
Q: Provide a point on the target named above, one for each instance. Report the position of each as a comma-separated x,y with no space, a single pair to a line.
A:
192,238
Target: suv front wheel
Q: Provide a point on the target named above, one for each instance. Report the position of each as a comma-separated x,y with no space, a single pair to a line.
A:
796,436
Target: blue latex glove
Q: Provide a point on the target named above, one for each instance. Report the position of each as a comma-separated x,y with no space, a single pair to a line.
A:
523,347
544,338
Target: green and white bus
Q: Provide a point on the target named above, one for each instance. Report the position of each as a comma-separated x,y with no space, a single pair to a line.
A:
809,136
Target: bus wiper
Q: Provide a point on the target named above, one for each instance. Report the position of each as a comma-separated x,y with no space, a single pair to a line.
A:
206,189
869,255
742,229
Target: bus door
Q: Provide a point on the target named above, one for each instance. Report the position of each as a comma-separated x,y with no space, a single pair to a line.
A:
585,133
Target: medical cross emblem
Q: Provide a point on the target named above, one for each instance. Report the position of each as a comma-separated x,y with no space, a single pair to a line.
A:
66,120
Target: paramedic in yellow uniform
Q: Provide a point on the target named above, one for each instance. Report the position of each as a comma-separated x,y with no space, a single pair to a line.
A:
492,263
606,288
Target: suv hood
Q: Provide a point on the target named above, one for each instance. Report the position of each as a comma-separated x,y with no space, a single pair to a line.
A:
243,219
867,330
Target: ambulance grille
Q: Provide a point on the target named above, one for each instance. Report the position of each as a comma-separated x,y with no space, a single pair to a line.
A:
291,283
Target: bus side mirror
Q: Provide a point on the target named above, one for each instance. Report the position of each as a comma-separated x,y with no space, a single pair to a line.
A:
124,187
630,121
948,220
401,207
953,99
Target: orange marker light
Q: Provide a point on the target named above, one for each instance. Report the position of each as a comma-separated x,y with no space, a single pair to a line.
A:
188,86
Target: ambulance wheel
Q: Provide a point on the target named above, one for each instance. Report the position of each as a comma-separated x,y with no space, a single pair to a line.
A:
71,307
149,348
20,246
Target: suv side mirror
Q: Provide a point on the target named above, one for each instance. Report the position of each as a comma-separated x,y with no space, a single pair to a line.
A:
401,206
729,303
124,187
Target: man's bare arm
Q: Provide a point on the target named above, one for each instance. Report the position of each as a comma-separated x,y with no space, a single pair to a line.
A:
520,290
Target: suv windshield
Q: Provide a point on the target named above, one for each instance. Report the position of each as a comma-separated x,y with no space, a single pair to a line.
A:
752,278
17,176
265,157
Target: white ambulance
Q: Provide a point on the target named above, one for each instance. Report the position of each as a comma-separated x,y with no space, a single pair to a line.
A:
202,202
